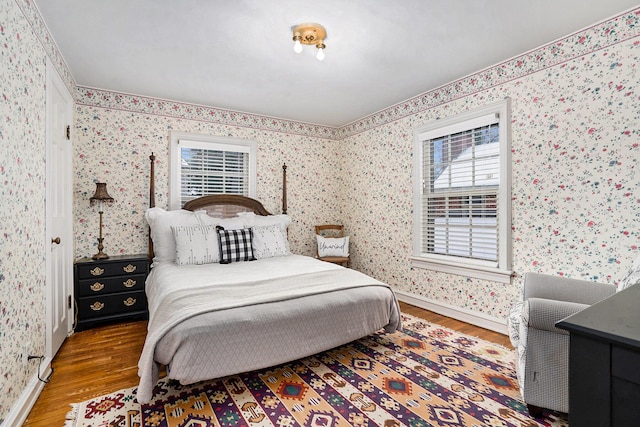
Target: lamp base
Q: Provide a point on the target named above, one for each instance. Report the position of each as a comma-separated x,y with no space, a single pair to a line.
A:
100,255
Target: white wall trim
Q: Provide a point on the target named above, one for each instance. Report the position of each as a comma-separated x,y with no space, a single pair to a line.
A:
458,313
431,262
21,408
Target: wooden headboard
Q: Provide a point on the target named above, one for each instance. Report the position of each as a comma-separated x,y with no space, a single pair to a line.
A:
225,205
218,205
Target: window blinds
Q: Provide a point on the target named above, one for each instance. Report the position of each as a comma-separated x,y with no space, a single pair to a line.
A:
213,169
461,165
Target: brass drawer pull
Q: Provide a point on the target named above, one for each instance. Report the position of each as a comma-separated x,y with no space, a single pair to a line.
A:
129,268
97,271
129,301
97,306
129,283
97,287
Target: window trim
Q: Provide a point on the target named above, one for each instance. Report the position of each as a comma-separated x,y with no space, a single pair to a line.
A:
244,145
499,271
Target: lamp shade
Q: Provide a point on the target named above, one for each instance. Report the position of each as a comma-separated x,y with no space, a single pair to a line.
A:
101,195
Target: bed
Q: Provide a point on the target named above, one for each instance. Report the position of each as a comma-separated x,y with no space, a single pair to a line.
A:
209,319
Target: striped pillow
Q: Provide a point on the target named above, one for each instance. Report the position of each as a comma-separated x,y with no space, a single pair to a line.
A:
196,244
235,245
270,241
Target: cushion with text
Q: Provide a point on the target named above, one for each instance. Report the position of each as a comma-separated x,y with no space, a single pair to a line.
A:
333,246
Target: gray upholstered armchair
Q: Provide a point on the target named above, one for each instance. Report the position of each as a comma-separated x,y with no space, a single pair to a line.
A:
542,362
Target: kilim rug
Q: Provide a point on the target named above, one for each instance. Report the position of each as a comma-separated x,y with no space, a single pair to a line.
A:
426,375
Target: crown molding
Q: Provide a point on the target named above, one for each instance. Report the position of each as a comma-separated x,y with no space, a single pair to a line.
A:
602,35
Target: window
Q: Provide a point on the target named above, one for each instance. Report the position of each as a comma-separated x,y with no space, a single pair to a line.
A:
203,164
462,194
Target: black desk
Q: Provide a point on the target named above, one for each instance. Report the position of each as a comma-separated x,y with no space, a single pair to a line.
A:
604,362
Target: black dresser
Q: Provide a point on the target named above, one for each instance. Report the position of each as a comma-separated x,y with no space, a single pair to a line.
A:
604,362
110,289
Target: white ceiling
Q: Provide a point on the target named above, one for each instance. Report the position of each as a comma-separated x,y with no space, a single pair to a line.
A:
238,54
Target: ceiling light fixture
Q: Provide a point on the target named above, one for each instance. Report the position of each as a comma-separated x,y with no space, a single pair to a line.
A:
310,34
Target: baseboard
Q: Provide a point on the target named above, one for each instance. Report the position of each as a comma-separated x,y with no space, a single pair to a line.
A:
21,408
458,313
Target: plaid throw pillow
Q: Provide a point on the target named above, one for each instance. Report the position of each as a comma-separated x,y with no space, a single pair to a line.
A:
235,245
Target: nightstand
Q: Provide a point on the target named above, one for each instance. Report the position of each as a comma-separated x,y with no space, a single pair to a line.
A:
110,289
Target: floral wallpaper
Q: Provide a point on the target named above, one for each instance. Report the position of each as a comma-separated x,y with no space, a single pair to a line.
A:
574,117
598,36
575,136
22,223
575,160
575,157
114,146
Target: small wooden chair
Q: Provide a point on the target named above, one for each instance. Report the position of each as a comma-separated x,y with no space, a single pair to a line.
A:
332,230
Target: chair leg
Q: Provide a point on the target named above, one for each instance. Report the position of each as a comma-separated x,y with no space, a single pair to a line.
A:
534,411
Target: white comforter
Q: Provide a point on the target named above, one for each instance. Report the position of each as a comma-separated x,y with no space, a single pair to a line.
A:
177,294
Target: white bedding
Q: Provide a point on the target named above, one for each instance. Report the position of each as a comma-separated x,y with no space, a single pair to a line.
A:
250,315
168,277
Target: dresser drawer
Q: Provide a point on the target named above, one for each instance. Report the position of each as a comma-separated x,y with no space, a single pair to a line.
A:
98,269
107,285
106,305
625,363
110,289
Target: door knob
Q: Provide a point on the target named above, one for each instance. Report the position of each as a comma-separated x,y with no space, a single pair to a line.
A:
56,240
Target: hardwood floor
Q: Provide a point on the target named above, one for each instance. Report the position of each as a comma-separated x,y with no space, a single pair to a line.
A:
89,364
105,359
457,325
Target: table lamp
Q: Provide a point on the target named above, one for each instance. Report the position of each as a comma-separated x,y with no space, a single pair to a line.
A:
101,198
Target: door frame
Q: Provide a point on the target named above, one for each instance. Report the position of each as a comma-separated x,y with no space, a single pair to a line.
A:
54,80
20,409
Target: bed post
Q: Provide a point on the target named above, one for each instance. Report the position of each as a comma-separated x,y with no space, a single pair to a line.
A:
152,197
284,188
152,186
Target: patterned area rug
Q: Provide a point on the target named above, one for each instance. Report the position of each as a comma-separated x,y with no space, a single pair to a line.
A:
425,375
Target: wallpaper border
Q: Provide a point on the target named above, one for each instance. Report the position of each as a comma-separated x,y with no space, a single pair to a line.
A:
617,29
162,107
620,28
35,20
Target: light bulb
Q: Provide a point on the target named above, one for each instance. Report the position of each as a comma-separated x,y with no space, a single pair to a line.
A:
297,46
320,54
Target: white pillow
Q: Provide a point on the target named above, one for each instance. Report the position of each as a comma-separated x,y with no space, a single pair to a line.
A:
160,222
253,220
333,246
196,244
270,241
233,223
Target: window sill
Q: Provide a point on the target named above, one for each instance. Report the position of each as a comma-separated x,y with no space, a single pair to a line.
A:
463,269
